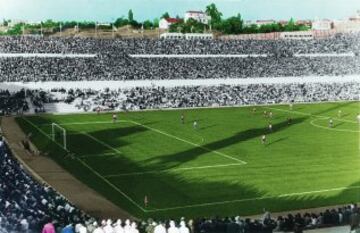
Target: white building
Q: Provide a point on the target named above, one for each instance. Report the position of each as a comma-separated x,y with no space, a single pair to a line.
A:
264,22
322,24
165,23
199,16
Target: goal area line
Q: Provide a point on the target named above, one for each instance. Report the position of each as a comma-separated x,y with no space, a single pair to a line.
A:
160,132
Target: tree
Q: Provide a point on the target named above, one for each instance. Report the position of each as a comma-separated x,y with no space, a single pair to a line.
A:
130,16
156,23
290,26
119,22
232,25
214,13
148,24
165,16
190,26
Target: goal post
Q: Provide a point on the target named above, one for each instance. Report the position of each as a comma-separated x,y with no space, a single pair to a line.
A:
57,128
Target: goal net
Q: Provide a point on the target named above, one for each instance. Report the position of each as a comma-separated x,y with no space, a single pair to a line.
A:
58,134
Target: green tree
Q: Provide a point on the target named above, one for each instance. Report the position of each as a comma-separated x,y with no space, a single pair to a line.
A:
148,24
232,25
130,16
290,26
156,23
214,13
165,16
5,22
119,22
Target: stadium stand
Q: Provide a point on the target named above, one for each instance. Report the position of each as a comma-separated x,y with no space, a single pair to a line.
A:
139,98
41,205
101,59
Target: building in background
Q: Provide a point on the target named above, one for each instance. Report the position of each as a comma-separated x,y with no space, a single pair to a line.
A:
199,16
352,24
165,23
264,22
305,22
324,24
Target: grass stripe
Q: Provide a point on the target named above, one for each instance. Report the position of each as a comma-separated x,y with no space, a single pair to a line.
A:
254,199
191,143
172,169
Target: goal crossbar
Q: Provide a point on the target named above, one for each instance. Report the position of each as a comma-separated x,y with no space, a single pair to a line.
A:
55,126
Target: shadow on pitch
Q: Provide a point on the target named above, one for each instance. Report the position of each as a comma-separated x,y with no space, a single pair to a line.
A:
276,141
332,108
177,159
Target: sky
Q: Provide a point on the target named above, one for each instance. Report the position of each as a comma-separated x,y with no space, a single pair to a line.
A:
109,10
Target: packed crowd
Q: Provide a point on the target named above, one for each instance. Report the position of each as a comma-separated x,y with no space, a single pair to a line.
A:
347,215
12,102
340,43
180,97
125,68
25,204
113,59
20,102
206,96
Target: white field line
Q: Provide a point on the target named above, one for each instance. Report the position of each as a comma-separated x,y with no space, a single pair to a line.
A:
351,54
254,199
196,55
160,132
309,114
102,143
91,169
46,55
191,143
88,123
97,155
172,169
333,129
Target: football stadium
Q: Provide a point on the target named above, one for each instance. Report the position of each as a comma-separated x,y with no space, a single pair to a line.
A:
194,124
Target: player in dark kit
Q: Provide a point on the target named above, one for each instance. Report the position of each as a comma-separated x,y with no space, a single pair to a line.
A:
182,119
289,120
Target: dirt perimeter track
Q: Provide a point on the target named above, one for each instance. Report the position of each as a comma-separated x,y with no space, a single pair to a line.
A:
47,171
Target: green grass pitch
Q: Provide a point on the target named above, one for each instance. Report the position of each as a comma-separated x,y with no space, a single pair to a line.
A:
220,168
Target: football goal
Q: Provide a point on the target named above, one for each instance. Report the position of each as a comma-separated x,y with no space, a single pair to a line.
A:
58,134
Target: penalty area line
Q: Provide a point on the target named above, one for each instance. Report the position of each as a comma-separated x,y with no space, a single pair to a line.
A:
91,169
253,199
191,143
154,130
101,142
